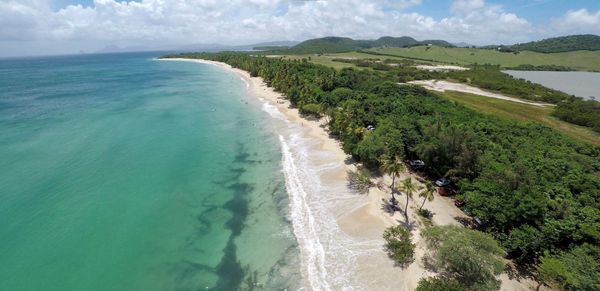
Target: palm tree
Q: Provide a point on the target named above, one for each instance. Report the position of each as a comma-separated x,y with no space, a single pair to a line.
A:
393,167
408,188
427,193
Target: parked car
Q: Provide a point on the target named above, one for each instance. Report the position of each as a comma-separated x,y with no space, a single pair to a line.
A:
478,222
416,164
459,203
442,182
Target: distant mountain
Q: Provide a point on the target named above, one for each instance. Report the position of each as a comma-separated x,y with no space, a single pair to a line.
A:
461,44
273,45
110,49
588,42
204,47
333,44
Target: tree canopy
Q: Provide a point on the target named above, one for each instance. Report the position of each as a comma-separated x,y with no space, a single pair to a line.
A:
467,256
588,42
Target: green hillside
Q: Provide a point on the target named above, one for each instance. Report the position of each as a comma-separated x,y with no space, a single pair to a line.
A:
569,43
334,44
389,41
327,44
577,60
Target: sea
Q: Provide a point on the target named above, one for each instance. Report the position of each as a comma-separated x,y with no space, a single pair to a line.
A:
123,172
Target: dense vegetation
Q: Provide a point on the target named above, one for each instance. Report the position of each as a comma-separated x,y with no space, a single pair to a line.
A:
528,67
570,109
439,284
334,44
536,190
579,111
523,112
577,269
463,257
569,43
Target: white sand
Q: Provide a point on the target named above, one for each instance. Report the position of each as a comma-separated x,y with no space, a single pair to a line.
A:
441,86
441,68
342,247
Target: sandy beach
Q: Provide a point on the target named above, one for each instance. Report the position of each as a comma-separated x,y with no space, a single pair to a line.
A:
339,231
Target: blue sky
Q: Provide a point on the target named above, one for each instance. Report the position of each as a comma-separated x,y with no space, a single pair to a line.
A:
537,11
67,26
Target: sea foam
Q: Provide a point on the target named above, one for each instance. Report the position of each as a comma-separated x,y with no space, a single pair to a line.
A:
304,222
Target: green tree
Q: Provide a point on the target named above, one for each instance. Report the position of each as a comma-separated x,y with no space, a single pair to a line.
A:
576,269
468,256
439,284
392,167
552,272
399,245
427,193
409,189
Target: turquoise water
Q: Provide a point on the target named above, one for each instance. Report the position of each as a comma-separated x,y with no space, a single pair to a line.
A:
120,172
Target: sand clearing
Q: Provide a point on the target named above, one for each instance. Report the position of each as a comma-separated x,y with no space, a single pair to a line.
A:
441,68
340,232
441,86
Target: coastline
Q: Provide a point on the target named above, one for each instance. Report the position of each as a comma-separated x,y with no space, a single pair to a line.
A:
343,246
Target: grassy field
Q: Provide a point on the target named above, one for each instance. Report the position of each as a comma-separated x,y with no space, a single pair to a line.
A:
579,60
327,59
523,112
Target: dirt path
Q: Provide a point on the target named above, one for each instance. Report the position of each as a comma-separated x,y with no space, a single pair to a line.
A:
442,86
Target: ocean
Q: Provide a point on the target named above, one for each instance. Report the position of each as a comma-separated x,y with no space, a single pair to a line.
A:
122,172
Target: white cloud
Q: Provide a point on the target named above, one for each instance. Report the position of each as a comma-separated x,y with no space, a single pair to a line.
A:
475,21
466,6
578,21
35,26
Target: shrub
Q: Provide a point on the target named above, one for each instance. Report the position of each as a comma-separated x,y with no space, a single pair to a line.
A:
425,213
399,245
439,284
360,180
311,109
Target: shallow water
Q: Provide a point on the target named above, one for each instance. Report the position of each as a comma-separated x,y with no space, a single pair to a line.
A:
581,84
120,172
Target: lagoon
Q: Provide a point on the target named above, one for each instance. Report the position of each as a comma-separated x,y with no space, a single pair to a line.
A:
581,84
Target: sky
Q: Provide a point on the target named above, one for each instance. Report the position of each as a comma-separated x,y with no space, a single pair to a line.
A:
43,27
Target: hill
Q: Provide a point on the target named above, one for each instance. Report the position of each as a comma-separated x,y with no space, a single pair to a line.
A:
575,60
388,41
327,45
569,43
334,44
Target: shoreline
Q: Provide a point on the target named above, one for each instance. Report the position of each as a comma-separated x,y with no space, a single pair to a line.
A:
360,218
